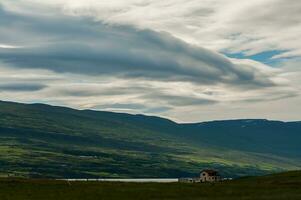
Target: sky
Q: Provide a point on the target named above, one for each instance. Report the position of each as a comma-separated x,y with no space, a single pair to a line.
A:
187,60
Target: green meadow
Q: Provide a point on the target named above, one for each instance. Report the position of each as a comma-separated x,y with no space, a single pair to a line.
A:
284,186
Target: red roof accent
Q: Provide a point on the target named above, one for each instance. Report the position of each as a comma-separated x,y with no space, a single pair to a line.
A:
211,172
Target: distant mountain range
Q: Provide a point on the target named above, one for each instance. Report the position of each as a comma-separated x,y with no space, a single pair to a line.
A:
38,140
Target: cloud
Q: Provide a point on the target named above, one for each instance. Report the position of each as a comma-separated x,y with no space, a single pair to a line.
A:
21,87
133,108
133,57
82,46
5,46
175,100
250,27
221,25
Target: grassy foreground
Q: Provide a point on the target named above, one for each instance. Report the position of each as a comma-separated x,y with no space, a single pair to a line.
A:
281,186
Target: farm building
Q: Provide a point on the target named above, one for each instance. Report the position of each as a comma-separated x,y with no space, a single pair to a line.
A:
209,175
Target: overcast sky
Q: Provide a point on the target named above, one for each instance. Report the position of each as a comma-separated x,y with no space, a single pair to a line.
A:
188,60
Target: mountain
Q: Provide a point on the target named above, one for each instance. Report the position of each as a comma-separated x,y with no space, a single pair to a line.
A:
38,140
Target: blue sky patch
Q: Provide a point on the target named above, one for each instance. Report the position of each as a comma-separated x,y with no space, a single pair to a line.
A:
263,57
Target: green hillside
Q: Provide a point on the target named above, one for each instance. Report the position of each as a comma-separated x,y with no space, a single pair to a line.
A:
45,141
285,186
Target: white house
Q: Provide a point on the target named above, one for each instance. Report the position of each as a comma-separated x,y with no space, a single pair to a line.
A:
209,175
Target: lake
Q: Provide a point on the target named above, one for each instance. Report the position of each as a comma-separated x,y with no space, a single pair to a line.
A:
134,180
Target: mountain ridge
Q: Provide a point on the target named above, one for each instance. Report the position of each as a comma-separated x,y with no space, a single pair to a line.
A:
150,116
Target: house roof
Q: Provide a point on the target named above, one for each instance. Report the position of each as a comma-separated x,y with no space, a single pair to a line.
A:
210,172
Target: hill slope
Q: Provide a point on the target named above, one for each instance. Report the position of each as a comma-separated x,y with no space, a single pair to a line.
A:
45,141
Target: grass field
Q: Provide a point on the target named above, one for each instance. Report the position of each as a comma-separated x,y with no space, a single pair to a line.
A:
275,187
